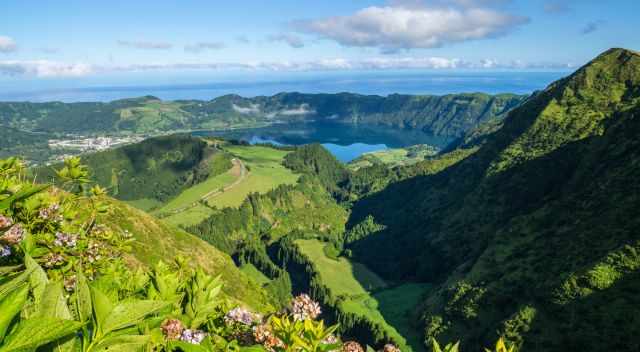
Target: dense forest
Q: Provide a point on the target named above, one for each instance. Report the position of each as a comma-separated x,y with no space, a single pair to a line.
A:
157,168
532,236
449,115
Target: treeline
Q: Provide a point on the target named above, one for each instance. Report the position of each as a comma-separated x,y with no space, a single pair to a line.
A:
305,278
157,168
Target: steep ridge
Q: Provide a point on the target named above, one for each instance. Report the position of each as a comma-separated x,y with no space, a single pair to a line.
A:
530,233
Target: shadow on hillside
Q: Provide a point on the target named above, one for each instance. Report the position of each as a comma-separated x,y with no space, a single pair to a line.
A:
413,209
606,320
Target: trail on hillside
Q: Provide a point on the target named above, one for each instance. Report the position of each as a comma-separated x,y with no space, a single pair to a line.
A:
238,169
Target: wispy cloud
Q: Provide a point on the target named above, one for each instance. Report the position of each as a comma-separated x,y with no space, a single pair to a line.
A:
243,39
44,68
556,7
591,27
291,39
145,45
203,46
408,26
7,44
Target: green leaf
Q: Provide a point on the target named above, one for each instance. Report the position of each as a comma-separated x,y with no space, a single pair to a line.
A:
83,297
102,307
187,347
38,278
11,306
53,303
32,333
7,287
122,343
130,313
4,270
25,192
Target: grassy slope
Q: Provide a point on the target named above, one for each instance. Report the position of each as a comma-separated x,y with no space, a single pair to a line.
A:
393,157
256,275
353,281
265,173
155,241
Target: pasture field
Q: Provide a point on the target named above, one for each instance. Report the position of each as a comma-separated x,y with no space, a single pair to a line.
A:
256,169
253,273
265,172
390,307
394,157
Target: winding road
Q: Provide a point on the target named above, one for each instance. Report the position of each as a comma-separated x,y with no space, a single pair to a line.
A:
243,173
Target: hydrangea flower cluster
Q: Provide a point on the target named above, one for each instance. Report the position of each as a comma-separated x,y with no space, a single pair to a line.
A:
93,252
53,260
65,240
390,348
173,330
192,336
5,222
352,346
5,251
303,307
263,335
13,236
240,315
51,213
70,283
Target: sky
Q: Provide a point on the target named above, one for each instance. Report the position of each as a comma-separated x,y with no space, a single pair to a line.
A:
190,41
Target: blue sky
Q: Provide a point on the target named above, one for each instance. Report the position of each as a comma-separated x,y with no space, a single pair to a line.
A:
191,39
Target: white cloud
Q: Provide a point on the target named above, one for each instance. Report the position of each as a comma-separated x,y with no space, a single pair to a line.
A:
44,68
7,44
396,27
301,110
145,45
291,39
556,7
252,109
243,39
202,46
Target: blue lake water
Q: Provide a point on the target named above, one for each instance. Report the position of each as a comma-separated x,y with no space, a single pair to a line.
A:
345,141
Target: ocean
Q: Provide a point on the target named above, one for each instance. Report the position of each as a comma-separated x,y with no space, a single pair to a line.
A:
378,83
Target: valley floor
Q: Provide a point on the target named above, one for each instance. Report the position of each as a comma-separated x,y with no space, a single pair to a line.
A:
367,295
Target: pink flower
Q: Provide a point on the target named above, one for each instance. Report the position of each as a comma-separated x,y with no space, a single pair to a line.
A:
303,307
13,236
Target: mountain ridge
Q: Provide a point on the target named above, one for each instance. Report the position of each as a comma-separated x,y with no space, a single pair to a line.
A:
481,227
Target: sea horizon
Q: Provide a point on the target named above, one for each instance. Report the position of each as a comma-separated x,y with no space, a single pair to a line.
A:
415,83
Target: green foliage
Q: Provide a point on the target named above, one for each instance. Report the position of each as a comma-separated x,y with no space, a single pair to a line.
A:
448,115
540,213
157,168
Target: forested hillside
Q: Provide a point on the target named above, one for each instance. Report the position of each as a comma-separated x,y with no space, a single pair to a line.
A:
449,115
154,170
534,235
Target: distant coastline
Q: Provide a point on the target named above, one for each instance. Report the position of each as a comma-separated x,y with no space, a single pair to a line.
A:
431,83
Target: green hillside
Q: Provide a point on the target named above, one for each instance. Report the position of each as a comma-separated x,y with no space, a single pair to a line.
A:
449,115
154,171
533,234
156,241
